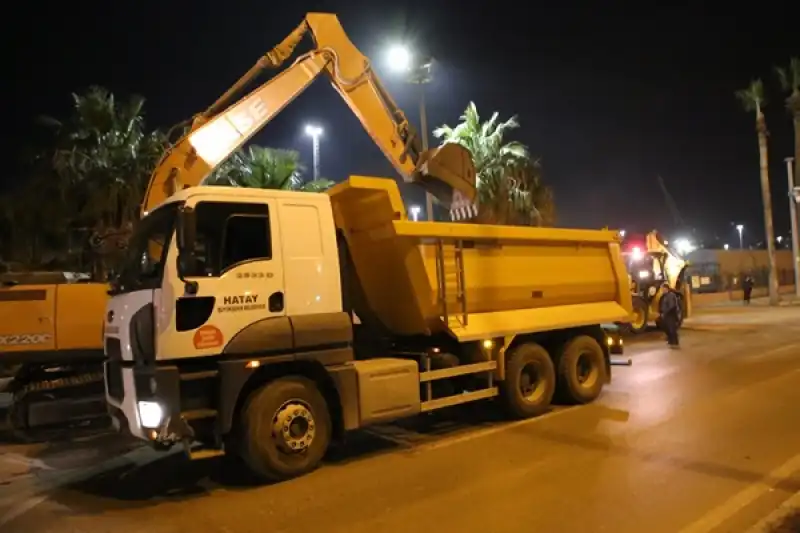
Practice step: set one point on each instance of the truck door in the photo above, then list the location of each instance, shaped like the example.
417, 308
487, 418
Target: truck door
27, 321
239, 274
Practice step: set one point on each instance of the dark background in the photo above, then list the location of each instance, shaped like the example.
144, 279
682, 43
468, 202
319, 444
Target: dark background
609, 97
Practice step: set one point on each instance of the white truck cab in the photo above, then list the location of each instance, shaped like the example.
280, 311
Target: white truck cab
259, 254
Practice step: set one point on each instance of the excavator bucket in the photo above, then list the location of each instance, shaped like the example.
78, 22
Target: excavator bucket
448, 173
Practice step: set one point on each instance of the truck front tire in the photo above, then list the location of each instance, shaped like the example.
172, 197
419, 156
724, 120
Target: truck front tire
581, 370
286, 429
530, 381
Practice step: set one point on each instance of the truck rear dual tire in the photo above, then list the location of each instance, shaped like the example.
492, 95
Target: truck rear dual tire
530, 381
286, 429
581, 369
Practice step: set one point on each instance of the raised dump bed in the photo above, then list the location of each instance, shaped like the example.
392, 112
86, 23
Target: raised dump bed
420, 277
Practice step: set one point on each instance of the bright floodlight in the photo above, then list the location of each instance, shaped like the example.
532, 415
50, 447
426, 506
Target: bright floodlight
684, 246
725, 246
313, 131
739, 228
622, 233
399, 58
415, 210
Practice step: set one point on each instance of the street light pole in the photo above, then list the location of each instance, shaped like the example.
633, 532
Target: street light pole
419, 73
739, 228
793, 216
315, 132
421, 76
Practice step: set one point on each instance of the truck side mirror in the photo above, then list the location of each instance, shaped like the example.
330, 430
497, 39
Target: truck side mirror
186, 236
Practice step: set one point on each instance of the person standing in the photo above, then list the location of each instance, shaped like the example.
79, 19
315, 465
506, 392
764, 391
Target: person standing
747, 289
670, 311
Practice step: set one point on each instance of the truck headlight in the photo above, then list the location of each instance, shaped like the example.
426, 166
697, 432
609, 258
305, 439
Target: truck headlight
150, 414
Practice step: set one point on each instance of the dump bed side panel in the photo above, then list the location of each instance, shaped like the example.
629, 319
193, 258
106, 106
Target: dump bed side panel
412, 277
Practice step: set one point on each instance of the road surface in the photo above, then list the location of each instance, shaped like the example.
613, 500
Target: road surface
706, 439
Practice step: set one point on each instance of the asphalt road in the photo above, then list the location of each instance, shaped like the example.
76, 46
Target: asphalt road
706, 439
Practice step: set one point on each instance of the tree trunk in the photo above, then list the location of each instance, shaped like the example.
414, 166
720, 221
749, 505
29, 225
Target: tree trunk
761, 128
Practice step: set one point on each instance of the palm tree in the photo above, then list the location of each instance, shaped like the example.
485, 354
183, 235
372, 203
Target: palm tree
753, 100
266, 168
102, 160
789, 78
508, 181
104, 156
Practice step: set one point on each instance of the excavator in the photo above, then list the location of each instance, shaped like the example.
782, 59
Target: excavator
447, 172
51, 350
651, 263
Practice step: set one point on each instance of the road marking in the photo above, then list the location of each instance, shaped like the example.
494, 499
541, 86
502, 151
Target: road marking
739, 501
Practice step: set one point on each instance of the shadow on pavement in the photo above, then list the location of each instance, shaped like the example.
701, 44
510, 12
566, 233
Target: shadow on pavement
172, 477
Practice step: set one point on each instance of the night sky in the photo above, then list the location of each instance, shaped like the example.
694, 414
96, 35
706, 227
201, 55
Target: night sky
608, 98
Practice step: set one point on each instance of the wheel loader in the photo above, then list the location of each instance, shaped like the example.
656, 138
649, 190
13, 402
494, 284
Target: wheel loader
650, 263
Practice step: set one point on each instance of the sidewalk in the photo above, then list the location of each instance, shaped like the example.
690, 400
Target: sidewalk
762, 301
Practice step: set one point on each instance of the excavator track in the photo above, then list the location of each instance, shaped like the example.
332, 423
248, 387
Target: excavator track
44, 408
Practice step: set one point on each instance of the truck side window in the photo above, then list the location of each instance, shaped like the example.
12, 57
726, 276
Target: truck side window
229, 233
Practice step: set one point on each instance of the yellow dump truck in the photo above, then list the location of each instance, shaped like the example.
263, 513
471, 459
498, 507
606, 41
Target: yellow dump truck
274, 321
51, 348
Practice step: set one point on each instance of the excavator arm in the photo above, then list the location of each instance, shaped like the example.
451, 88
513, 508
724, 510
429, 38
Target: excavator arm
446, 172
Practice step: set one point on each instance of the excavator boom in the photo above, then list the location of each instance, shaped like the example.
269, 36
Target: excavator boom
447, 172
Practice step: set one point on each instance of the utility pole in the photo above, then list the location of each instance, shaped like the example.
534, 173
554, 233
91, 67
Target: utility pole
793, 216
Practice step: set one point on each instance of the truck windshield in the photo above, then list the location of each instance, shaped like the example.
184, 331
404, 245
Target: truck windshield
143, 263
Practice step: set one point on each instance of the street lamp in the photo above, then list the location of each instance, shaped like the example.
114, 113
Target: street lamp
415, 209
740, 228
315, 132
725, 246
622, 233
417, 72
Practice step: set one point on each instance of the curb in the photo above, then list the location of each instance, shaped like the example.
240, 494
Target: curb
773, 520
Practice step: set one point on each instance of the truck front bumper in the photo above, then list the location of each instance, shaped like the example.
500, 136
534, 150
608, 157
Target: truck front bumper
144, 402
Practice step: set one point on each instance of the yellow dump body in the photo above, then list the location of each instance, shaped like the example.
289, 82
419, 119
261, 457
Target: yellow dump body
477, 281
42, 316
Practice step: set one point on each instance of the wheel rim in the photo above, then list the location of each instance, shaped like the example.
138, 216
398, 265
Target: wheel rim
293, 427
531, 383
586, 370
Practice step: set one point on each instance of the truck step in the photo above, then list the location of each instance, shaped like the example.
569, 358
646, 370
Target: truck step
198, 414
206, 374
456, 399
197, 454
461, 370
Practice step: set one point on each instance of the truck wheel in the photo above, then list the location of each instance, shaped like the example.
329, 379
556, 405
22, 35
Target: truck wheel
640, 317
286, 429
581, 370
530, 381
